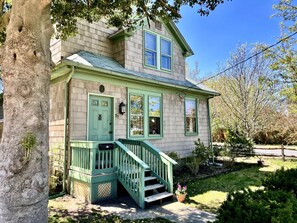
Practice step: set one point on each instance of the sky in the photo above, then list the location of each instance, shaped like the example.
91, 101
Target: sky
213, 38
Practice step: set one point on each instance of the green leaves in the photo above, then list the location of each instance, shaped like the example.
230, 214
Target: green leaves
119, 13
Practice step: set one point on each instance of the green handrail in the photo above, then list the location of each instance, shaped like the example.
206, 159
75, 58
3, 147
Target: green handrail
87, 158
131, 172
160, 164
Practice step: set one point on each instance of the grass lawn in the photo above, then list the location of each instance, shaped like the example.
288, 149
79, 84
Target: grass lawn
209, 193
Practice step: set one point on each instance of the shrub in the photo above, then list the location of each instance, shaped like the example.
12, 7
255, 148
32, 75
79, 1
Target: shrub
177, 169
258, 207
237, 145
285, 180
173, 155
200, 155
217, 150
56, 183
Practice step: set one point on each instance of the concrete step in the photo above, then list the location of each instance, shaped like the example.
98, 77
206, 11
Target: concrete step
157, 197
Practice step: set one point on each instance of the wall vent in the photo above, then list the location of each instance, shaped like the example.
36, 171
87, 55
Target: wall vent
158, 25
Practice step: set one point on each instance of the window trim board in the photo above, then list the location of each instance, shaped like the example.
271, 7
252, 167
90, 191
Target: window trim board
197, 116
146, 134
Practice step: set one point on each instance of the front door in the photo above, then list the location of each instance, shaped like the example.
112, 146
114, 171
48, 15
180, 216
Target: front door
100, 118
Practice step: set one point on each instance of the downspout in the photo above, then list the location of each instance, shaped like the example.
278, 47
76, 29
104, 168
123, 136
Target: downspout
210, 132
66, 108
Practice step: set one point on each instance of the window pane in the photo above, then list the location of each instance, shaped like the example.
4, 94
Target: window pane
136, 115
191, 116
154, 115
154, 126
154, 106
150, 58
191, 124
136, 125
136, 105
150, 42
166, 62
190, 108
166, 47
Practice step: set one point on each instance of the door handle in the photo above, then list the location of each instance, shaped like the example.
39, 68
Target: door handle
99, 117
110, 132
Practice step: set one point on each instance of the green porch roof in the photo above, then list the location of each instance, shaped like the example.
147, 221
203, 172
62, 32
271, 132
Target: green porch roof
102, 62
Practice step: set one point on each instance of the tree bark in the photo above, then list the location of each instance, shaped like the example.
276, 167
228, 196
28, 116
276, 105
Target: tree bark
25, 61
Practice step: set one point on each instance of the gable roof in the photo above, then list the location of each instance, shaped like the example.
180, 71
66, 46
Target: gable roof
187, 51
92, 61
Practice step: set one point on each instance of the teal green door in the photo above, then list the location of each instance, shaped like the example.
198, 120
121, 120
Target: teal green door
100, 118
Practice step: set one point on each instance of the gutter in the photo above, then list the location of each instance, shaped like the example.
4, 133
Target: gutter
210, 132
66, 108
120, 75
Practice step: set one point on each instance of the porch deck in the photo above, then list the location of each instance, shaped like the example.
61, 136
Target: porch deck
96, 167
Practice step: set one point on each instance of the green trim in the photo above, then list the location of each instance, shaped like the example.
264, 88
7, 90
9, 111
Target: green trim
171, 54
180, 38
150, 50
120, 33
172, 29
66, 126
185, 117
92, 179
112, 112
98, 74
159, 37
210, 131
145, 95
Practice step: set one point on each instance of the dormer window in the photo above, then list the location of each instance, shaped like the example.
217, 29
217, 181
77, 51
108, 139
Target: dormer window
165, 54
150, 50
157, 52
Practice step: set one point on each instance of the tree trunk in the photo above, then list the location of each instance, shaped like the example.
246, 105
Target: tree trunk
25, 61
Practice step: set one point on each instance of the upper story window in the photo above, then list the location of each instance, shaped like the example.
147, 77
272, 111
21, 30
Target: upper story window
191, 123
150, 49
158, 52
165, 54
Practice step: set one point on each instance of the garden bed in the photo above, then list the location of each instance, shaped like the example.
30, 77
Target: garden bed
209, 188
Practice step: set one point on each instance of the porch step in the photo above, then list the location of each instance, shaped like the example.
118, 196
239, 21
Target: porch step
153, 187
150, 178
145, 179
157, 197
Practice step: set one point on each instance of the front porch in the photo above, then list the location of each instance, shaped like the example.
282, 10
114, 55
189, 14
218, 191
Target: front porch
143, 170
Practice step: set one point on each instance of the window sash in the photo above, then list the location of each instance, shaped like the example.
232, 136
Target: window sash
166, 54
150, 41
150, 49
157, 51
145, 114
166, 62
136, 115
165, 47
154, 115
151, 58
191, 125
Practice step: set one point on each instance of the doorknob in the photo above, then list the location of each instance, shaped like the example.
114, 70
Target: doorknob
110, 132
99, 117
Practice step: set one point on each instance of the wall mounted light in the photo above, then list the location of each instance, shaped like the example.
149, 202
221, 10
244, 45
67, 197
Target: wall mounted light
122, 108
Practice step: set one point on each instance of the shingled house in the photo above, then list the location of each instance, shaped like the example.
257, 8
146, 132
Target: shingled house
120, 101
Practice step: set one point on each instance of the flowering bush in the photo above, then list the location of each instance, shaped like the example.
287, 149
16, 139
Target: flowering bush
181, 190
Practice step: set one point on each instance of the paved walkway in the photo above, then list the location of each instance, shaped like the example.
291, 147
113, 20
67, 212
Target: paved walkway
174, 211
276, 152
126, 208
